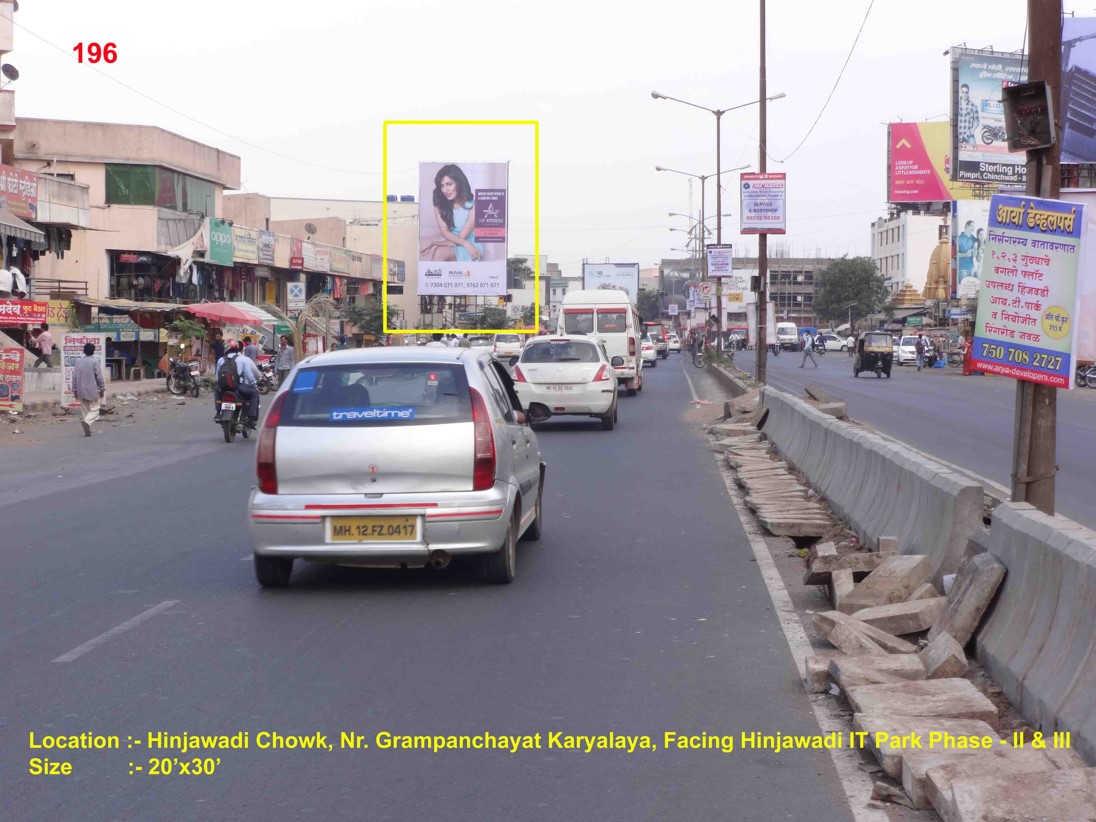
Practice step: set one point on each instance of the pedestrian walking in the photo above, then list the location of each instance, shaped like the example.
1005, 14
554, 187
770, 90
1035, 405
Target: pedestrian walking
89, 386
851, 344
251, 351
808, 350
45, 347
284, 359
919, 347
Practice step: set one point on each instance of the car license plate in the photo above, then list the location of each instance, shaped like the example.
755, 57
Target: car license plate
559, 388
373, 529
228, 406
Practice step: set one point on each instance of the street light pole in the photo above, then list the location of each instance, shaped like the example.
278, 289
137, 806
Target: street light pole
762, 238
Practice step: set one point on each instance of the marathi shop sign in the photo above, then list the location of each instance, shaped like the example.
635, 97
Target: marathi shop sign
19, 192
1028, 305
245, 245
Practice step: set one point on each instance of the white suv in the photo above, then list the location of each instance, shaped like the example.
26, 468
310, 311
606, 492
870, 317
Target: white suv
506, 346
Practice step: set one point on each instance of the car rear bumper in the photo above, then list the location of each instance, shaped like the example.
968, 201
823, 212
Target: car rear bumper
583, 400
297, 526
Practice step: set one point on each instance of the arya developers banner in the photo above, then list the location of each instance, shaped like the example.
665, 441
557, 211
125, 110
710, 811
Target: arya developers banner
462, 228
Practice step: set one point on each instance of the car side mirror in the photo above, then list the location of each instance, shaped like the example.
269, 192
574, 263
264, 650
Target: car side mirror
520, 418
513, 361
616, 362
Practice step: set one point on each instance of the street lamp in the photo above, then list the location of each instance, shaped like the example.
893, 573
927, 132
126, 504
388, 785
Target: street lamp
850, 306
718, 115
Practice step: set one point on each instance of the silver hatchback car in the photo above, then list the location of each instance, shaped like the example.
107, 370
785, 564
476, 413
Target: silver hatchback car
395, 457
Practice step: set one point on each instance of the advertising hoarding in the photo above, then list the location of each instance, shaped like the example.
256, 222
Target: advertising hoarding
220, 242
11, 379
19, 192
919, 164
1026, 325
762, 200
970, 221
23, 312
1078, 90
72, 349
979, 145
245, 245
1086, 278
733, 284
612, 276
462, 228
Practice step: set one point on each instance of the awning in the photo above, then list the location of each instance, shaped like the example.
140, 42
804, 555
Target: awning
126, 306
14, 227
261, 316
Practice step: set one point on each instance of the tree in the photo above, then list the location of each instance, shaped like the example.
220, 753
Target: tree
528, 316
368, 316
492, 318
517, 272
649, 304
849, 280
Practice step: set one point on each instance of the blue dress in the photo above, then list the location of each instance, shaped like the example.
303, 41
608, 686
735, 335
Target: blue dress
460, 217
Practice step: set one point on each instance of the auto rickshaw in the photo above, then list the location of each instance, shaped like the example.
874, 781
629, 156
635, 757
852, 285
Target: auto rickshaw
874, 352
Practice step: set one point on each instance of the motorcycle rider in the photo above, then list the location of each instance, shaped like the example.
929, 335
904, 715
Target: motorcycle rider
248, 377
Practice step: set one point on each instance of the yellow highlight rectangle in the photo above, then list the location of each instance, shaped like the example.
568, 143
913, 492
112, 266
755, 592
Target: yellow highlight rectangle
536, 225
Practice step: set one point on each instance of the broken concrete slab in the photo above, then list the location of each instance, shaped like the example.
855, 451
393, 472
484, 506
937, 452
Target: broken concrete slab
975, 586
747, 402
882, 792
838, 410
860, 564
890, 737
926, 590
818, 674
1062, 796
846, 638
733, 429
821, 549
938, 698
842, 583
893, 581
826, 622
1000, 762
900, 618
943, 657
785, 527
851, 671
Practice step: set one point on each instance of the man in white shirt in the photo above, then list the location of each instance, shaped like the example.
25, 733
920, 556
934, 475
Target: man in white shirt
436, 342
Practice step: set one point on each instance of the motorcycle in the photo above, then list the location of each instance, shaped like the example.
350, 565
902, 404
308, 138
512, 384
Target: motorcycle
993, 134
183, 377
268, 380
233, 421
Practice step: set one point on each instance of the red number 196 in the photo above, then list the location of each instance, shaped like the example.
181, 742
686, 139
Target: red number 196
107, 52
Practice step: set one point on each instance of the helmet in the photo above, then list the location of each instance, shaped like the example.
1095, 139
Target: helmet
233, 345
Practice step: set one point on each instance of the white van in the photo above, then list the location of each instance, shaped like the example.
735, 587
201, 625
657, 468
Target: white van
787, 336
610, 316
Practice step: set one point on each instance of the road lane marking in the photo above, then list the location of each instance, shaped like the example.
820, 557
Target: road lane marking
856, 784
91, 644
692, 390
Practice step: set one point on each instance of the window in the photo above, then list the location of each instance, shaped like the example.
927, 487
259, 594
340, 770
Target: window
560, 351
152, 185
612, 321
502, 400
578, 322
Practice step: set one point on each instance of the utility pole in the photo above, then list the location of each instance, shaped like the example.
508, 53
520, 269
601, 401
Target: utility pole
1034, 437
762, 238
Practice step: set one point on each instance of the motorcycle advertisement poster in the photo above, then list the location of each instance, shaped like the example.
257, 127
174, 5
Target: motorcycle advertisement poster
978, 117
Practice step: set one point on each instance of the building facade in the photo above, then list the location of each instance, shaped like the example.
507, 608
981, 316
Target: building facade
901, 247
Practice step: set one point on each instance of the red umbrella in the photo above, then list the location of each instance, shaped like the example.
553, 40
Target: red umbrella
221, 312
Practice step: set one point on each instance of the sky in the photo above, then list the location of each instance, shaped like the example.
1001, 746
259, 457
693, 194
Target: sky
300, 91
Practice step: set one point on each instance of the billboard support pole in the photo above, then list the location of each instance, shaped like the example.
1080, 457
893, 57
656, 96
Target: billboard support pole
1035, 428
763, 238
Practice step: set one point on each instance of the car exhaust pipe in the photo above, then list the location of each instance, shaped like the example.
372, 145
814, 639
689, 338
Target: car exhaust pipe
439, 559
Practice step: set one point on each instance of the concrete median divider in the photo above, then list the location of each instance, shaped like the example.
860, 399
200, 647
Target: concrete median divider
880, 487
1039, 640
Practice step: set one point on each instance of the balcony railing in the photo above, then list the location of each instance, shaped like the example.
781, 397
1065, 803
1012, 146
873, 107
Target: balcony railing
45, 289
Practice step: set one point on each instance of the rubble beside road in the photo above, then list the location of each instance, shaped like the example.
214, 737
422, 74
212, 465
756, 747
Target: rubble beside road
898, 666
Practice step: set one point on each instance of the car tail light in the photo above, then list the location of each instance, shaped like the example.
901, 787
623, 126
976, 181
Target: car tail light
631, 346
518, 376
483, 466
602, 374
268, 475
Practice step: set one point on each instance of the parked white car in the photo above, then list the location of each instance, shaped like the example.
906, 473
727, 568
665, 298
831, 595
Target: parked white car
675, 342
568, 374
647, 351
832, 342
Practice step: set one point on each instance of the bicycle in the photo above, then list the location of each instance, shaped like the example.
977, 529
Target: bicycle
700, 354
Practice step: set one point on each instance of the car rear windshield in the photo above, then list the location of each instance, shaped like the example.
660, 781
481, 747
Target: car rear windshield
508, 338
560, 351
909, 341
378, 394
611, 321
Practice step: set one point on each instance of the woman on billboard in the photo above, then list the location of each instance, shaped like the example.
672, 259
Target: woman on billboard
455, 213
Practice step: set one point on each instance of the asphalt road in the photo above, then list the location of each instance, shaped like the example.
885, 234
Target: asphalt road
130, 607
967, 421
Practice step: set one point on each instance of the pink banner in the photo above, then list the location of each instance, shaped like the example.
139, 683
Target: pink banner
11, 379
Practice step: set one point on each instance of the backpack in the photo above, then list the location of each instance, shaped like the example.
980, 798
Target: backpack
228, 377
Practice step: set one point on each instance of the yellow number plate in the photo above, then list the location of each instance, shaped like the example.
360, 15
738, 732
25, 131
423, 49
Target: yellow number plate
373, 529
